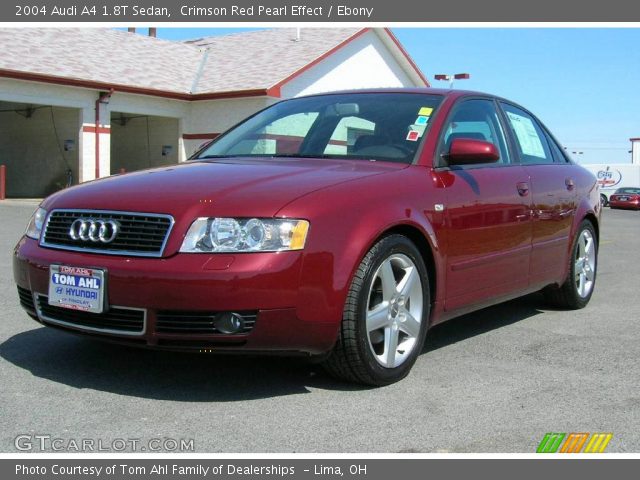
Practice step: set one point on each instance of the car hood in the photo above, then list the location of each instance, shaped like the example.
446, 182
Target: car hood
241, 187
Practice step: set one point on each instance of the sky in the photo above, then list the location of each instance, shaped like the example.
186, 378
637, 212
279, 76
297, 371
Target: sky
582, 83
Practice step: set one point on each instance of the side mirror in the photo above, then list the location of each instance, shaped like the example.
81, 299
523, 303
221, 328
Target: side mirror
468, 151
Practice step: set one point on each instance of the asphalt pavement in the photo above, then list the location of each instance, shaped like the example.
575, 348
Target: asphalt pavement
492, 381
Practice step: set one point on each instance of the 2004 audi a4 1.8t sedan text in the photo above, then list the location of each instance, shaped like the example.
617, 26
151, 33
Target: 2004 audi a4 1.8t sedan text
340, 226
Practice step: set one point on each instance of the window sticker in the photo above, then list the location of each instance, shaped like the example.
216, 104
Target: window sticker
413, 135
422, 120
415, 132
527, 136
418, 128
426, 111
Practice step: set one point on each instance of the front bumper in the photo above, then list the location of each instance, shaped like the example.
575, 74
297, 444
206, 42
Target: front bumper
265, 284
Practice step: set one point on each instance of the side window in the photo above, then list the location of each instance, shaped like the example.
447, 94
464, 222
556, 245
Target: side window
558, 154
529, 137
284, 136
349, 135
477, 120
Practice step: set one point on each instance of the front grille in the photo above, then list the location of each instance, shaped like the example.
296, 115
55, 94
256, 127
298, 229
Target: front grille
140, 234
26, 299
119, 320
197, 323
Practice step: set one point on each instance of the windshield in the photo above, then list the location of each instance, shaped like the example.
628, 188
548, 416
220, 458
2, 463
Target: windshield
380, 126
628, 190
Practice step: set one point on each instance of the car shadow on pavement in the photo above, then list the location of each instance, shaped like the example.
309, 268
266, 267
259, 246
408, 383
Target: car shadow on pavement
483, 321
89, 364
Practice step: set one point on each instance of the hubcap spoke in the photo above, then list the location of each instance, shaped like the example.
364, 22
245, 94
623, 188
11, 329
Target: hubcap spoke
390, 346
410, 325
408, 281
583, 243
378, 317
588, 246
588, 272
582, 284
388, 281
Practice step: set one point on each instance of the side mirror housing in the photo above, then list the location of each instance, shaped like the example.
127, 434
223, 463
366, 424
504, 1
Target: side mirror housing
468, 151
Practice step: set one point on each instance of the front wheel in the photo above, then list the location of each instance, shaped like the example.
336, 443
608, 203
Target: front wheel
576, 291
385, 316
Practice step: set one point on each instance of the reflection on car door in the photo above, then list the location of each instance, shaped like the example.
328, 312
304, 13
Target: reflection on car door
487, 212
553, 193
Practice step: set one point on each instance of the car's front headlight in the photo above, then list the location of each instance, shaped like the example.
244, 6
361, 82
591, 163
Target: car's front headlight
36, 222
245, 235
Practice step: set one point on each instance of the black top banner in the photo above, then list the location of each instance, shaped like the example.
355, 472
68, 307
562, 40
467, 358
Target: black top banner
156, 11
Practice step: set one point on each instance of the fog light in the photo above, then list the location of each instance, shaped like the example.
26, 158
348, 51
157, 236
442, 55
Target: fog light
228, 322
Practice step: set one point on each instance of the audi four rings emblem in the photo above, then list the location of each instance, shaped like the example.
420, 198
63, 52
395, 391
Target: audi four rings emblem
91, 229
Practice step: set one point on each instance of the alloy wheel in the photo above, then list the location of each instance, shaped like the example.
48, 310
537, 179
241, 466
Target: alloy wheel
394, 310
585, 264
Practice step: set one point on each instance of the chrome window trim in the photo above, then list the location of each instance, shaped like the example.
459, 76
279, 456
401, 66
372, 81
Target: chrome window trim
43, 318
130, 253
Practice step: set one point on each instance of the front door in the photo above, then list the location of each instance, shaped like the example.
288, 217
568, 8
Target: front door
488, 213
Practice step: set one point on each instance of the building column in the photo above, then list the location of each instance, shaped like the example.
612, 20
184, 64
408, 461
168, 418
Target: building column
635, 151
182, 152
87, 147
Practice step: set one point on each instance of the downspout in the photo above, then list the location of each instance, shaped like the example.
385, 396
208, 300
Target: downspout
102, 98
196, 79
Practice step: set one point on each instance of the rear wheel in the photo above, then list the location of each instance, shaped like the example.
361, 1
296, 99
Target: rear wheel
576, 291
385, 315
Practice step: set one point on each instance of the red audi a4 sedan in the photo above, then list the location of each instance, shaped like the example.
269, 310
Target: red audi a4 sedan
626, 198
339, 226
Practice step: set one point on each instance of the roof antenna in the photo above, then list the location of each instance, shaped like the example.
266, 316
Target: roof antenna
297, 34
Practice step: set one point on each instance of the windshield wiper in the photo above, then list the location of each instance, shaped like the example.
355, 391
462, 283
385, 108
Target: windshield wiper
289, 155
319, 156
219, 156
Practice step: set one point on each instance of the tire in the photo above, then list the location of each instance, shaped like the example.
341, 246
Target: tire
603, 200
378, 312
576, 291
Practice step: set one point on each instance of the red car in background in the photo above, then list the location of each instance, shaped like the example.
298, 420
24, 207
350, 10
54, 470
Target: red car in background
626, 198
339, 226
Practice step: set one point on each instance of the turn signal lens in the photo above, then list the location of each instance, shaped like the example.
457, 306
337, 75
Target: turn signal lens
299, 235
36, 222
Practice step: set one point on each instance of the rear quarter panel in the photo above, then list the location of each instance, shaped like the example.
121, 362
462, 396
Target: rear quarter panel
587, 204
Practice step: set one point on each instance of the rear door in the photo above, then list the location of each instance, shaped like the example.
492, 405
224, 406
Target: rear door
553, 194
487, 212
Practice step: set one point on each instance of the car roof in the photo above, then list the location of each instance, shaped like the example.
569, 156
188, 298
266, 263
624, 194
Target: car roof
445, 92
448, 92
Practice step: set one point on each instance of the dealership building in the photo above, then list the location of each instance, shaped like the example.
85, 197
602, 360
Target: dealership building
77, 104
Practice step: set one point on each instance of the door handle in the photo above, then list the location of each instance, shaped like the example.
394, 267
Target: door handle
569, 183
523, 188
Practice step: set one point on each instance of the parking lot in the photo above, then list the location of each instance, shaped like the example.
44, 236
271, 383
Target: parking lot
493, 381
